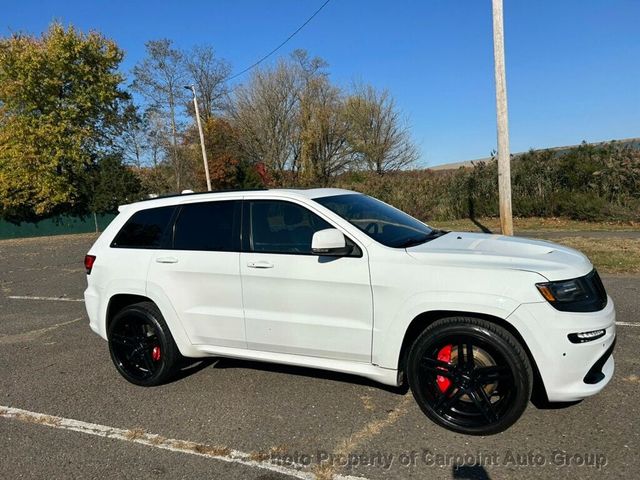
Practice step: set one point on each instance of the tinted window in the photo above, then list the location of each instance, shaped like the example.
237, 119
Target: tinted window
283, 227
207, 226
144, 229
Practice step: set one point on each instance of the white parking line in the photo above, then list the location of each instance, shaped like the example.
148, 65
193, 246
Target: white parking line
157, 441
33, 334
56, 299
628, 324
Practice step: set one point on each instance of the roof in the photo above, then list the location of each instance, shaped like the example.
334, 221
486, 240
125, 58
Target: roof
310, 193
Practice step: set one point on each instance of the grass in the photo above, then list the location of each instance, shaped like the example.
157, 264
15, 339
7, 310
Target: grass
609, 255
538, 224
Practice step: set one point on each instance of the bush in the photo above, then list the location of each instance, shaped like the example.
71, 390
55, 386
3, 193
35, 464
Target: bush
588, 182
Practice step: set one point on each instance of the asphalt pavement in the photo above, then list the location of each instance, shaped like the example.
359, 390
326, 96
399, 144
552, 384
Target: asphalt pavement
66, 413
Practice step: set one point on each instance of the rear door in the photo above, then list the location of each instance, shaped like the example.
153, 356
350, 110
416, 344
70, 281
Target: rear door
199, 272
296, 302
127, 259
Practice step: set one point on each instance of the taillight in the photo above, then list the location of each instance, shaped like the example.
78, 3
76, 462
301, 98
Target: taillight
88, 263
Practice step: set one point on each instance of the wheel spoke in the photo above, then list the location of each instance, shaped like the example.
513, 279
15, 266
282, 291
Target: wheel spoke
145, 356
121, 340
469, 357
482, 402
437, 367
148, 361
143, 330
460, 349
486, 375
446, 401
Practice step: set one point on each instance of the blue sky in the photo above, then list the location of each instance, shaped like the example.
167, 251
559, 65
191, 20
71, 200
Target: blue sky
573, 68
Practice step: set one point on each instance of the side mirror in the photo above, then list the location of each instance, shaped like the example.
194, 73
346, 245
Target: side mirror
330, 242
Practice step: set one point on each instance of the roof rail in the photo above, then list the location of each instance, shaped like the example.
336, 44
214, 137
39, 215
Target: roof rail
187, 193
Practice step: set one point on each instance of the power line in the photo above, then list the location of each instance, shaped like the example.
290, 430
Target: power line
281, 45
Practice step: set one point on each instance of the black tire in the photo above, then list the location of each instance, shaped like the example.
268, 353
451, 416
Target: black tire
141, 345
479, 394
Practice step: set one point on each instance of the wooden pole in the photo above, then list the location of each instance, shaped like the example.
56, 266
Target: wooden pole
204, 150
504, 160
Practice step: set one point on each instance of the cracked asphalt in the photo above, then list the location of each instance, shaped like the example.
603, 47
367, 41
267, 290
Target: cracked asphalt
51, 363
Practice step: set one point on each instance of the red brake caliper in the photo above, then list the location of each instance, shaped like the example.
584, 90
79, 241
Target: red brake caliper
155, 353
444, 355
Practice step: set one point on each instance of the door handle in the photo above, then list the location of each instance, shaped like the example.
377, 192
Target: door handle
261, 264
166, 260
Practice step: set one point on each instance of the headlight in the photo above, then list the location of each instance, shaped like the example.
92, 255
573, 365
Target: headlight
584, 294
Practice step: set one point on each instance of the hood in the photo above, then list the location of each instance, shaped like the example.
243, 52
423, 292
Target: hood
553, 261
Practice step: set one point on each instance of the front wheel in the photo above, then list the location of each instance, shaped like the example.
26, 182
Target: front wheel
469, 375
141, 345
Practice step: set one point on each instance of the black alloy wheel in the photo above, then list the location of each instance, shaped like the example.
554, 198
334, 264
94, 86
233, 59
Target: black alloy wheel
141, 345
469, 375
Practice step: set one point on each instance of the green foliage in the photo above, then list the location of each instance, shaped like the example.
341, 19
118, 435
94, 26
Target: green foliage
60, 111
111, 184
588, 182
248, 176
228, 169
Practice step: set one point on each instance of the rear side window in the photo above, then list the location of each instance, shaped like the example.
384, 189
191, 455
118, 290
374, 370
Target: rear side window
210, 226
145, 229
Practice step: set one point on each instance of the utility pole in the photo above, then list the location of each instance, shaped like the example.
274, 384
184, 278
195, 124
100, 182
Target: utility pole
504, 158
204, 151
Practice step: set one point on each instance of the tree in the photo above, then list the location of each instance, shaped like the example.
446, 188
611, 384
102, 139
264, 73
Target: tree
112, 184
266, 113
61, 109
160, 79
209, 75
323, 132
378, 134
291, 117
134, 141
223, 153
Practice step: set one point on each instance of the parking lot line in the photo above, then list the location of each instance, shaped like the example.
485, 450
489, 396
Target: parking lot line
56, 299
224, 454
33, 334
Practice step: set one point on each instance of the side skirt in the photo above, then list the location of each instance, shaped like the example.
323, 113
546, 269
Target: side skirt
385, 376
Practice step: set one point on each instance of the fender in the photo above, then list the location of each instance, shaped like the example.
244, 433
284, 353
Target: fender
156, 294
388, 336
120, 286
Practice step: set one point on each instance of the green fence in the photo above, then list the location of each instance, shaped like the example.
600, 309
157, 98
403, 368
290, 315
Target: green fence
59, 225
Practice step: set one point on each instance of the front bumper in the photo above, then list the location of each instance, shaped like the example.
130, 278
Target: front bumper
569, 371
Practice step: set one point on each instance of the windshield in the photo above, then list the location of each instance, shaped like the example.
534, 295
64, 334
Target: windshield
380, 221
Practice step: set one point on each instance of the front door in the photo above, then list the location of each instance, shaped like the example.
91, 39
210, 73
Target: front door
296, 302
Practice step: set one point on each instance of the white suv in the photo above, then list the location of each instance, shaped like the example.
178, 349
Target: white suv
337, 280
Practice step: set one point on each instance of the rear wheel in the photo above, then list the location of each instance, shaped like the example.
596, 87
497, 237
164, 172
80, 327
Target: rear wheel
469, 375
141, 345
